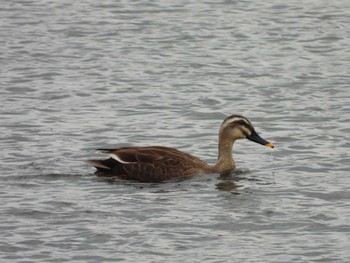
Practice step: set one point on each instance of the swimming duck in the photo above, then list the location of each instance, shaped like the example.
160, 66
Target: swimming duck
158, 163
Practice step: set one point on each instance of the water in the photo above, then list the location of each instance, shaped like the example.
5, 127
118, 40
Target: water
76, 76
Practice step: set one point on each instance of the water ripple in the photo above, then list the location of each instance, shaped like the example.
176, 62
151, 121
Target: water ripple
84, 75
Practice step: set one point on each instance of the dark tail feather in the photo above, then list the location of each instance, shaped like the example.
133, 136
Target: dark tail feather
108, 167
106, 164
98, 164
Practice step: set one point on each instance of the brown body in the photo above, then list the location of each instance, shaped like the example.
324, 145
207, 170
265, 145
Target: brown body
158, 163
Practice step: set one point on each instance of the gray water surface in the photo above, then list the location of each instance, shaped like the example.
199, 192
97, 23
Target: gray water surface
80, 75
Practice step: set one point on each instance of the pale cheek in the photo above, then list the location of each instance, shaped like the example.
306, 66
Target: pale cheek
237, 135
243, 136
247, 131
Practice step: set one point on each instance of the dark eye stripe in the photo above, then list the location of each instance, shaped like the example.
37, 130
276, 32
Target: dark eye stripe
243, 123
240, 123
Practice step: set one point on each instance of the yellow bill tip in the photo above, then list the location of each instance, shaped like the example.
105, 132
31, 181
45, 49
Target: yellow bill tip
270, 145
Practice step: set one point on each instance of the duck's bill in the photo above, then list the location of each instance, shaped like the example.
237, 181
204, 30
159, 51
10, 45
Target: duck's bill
254, 137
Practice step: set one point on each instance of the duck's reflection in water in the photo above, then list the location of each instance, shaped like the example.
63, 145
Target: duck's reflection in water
229, 182
228, 186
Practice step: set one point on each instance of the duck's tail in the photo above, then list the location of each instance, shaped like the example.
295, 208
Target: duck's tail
98, 164
107, 167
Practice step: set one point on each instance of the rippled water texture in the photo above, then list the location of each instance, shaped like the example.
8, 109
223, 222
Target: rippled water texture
80, 75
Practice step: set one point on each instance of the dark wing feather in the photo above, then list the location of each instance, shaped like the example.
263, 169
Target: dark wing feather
159, 170
136, 155
155, 163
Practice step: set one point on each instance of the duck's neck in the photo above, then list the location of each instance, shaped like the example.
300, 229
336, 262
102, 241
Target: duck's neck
225, 161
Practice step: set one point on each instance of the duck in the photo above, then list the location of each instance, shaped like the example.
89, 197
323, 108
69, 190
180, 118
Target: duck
160, 163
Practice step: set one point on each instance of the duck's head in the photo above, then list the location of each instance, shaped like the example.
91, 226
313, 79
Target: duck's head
238, 127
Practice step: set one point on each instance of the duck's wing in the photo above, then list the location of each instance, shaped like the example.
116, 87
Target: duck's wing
149, 164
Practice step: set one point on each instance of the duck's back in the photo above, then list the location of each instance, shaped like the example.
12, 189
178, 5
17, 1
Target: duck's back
149, 164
